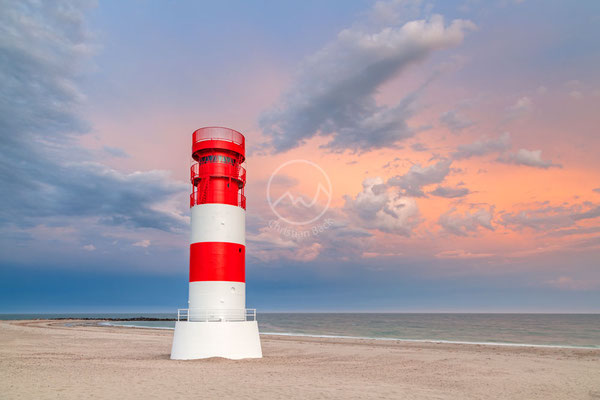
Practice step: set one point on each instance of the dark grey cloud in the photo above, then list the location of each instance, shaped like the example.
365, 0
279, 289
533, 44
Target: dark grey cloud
332, 94
482, 147
45, 174
412, 183
530, 158
455, 121
450, 192
597, 190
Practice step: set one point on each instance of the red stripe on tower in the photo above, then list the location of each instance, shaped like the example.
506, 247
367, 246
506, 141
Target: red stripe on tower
217, 261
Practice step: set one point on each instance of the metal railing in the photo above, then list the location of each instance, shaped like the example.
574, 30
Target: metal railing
196, 198
201, 170
218, 133
241, 200
215, 315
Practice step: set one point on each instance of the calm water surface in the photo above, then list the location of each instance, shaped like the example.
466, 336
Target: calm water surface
580, 330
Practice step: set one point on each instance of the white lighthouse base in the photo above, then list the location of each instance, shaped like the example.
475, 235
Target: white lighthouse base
233, 339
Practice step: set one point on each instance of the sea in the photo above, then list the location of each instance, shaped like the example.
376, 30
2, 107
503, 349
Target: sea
540, 330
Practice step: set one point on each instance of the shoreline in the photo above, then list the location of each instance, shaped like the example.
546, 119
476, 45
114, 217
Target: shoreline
344, 337
50, 359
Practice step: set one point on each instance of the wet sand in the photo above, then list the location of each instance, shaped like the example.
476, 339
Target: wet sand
48, 360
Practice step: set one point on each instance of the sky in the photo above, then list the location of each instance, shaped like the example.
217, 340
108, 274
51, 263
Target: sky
402, 156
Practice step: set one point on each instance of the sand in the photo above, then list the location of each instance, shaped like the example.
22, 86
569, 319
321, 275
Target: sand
48, 360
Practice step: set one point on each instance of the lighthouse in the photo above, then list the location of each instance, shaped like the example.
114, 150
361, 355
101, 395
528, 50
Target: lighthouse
216, 322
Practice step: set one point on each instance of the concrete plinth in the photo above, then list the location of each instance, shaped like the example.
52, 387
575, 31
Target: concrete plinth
234, 340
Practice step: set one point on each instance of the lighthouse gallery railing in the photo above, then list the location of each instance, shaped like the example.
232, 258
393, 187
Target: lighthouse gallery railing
215, 315
218, 133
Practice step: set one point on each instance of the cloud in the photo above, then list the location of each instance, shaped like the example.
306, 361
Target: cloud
450, 192
530, 158
392, 163
574, 231
521, 108
331, 237
395, 11
455, 121
412, 183
270, 244
592, 213
462, 254
378, 208
597, 190
568, 283
332, 94
455, 223
44, 172
419, 147
550, 218
142, 243
89, 247
116, 152
576, 94
540, 219
482, 147
574, 88
573, 84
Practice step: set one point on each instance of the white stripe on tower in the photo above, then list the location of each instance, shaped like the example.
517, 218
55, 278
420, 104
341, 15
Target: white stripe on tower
218, 223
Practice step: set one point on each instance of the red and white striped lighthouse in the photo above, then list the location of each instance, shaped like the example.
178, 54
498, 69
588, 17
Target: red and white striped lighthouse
217, 323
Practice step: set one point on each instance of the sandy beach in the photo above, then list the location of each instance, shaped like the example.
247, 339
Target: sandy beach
48, 360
